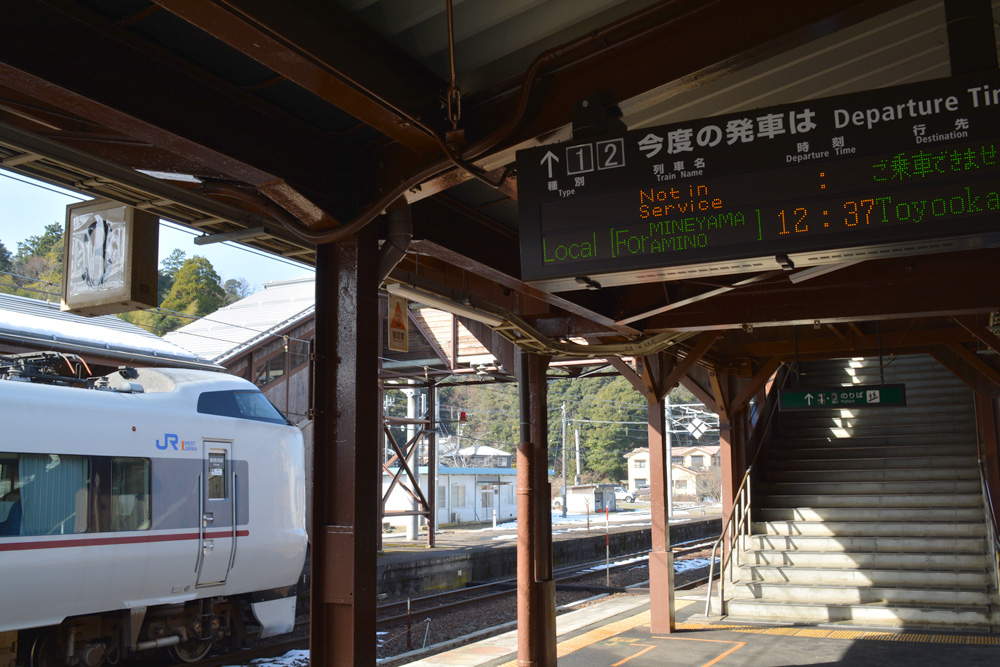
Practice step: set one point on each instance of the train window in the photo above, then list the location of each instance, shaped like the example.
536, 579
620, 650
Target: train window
43, 494
240, 404
216, 475
130, 494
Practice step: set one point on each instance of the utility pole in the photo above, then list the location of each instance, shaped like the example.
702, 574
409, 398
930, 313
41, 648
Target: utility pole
564, 459
670, 465
577, 478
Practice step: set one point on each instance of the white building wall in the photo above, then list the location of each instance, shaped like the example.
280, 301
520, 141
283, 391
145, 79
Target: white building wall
460, 497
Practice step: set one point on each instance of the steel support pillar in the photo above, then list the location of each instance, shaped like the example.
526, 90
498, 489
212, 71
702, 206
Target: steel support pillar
432, 465
345, 501
661, 558
536, 589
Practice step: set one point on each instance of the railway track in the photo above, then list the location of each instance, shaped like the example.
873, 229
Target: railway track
488, 602
448, 601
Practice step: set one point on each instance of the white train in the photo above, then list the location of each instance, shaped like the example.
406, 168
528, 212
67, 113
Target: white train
148, 510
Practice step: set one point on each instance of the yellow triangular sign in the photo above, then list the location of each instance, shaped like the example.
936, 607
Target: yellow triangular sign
397, 318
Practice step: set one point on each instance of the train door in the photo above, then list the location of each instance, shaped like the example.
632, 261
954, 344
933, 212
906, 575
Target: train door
217, 532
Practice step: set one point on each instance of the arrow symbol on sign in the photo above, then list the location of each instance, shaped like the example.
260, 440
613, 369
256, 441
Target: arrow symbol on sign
809, 399
548, 159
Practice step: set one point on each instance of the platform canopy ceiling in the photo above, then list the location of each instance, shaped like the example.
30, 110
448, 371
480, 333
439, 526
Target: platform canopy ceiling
299, 118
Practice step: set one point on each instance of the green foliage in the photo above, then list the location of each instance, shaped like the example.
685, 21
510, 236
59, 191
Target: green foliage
171, 264
43, 244
493, 420
37, 265
196, 291
236, 289
6, 259
609, 414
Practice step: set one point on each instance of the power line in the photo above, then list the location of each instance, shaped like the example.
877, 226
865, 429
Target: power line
166, 223
43, 187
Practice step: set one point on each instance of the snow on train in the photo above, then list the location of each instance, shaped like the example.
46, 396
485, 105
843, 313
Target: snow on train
150, 509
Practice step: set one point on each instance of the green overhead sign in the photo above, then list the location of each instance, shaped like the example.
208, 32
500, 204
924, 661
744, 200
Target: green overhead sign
857, 396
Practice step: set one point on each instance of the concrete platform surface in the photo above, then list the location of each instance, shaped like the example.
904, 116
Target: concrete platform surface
616, 632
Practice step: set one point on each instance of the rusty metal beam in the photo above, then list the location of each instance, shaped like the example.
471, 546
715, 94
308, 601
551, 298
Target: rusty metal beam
499, 281
957, 360
929, 285
346, 63
604, 63
909, 339
345, 490
704, 344
107, 75
980, 331
661, 559
536, 603
750, 390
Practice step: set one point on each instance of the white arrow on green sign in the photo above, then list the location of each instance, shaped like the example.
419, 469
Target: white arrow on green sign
855, 396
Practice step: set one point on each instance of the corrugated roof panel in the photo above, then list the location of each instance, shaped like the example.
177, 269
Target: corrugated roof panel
228, 330
33, 321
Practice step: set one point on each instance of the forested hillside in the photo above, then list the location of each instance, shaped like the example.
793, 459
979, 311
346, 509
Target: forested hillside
186, 286
609, 415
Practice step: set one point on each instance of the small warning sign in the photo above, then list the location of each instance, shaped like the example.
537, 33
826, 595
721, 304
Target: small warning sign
399, 324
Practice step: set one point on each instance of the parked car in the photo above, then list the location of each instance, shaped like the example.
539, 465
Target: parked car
623, 495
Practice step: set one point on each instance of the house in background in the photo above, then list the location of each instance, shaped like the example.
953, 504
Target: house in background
475, 456
696, 471
464, 495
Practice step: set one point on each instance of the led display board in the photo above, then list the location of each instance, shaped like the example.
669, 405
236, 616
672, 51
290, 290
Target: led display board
905, 170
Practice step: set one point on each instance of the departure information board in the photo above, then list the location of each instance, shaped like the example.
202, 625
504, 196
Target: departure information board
903, 170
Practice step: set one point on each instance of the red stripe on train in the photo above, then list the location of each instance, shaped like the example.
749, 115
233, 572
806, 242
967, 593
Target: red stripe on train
104, 541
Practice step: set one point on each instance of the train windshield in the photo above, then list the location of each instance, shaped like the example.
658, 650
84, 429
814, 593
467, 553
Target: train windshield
240, 404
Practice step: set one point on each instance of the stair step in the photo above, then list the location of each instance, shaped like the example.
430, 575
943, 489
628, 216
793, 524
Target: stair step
861, 577
969, 514
867, 544
866, 500
881, 430
884, 418
913, 529
849, 449
872, 463
934, 486
886, 595
919, 560
880, 475
975, 618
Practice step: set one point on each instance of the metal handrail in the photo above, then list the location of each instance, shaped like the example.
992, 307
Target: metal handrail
737, 522
992, 533
741, 508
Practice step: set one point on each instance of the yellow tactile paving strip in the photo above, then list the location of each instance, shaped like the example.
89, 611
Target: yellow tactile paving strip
866, 635
597, 635
608, 631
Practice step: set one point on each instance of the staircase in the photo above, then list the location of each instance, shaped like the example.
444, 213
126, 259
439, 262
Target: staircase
874, 516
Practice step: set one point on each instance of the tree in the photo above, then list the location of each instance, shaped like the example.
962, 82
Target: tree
41, 245
6, 259
171, 264
620, 425
196, 291
38, 263
236, 289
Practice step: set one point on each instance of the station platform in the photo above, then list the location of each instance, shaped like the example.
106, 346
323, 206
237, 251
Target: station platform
617, 632
465, 556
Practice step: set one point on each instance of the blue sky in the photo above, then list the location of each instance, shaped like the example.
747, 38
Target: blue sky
27, 206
